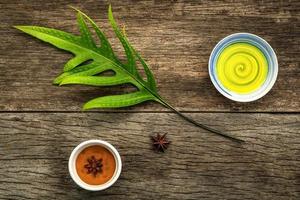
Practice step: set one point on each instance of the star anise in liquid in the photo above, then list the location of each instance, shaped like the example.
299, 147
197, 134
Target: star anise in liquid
94, 166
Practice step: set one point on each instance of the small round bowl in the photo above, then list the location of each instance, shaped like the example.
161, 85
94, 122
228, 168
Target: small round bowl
265, 48
73, 171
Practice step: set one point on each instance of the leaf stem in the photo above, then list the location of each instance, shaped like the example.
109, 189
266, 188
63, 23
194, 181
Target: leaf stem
197, 123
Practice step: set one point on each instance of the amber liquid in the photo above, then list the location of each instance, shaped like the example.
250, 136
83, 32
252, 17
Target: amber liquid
108, 168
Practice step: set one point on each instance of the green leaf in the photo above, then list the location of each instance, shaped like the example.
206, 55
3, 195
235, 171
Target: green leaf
86, 36
84, 48
131, 64
150, 78
117, 101
101, 58
95, 81
131, 54
105, 47
84, 70
60, 39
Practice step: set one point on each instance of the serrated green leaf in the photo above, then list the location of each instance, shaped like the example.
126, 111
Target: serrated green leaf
60, 39
117, 101
105, 47
95, 80
132, 54
85, 70
84, 48
150, 78
77, 60
86, 36
131, 64
103, 58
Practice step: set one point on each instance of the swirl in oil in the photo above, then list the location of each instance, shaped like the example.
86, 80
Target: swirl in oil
242, 68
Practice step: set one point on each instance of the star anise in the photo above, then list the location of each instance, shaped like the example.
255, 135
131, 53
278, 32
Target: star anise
160, 143
94, 165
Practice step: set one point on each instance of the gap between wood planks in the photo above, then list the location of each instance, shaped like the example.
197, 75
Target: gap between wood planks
148, 111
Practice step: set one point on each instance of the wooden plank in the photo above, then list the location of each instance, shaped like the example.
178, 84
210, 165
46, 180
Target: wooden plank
35, 148
175, 37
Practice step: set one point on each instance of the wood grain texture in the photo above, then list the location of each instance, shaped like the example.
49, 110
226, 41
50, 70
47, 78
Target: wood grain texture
35, 148
40, 124
175, 37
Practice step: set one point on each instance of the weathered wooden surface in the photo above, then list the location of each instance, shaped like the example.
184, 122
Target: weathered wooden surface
198, 165
175, 37
40, 124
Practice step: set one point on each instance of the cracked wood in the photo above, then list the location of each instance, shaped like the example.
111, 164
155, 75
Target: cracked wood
198, 165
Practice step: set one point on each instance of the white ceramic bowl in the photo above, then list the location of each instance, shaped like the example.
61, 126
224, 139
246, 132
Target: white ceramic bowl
73, 171
260, 44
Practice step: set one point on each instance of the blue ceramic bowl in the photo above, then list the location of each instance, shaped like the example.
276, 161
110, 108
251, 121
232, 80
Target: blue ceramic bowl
265, 48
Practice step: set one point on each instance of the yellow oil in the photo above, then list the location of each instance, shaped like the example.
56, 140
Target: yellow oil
242, 68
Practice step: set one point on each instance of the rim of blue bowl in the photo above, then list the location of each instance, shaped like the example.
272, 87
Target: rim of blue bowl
268, 52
